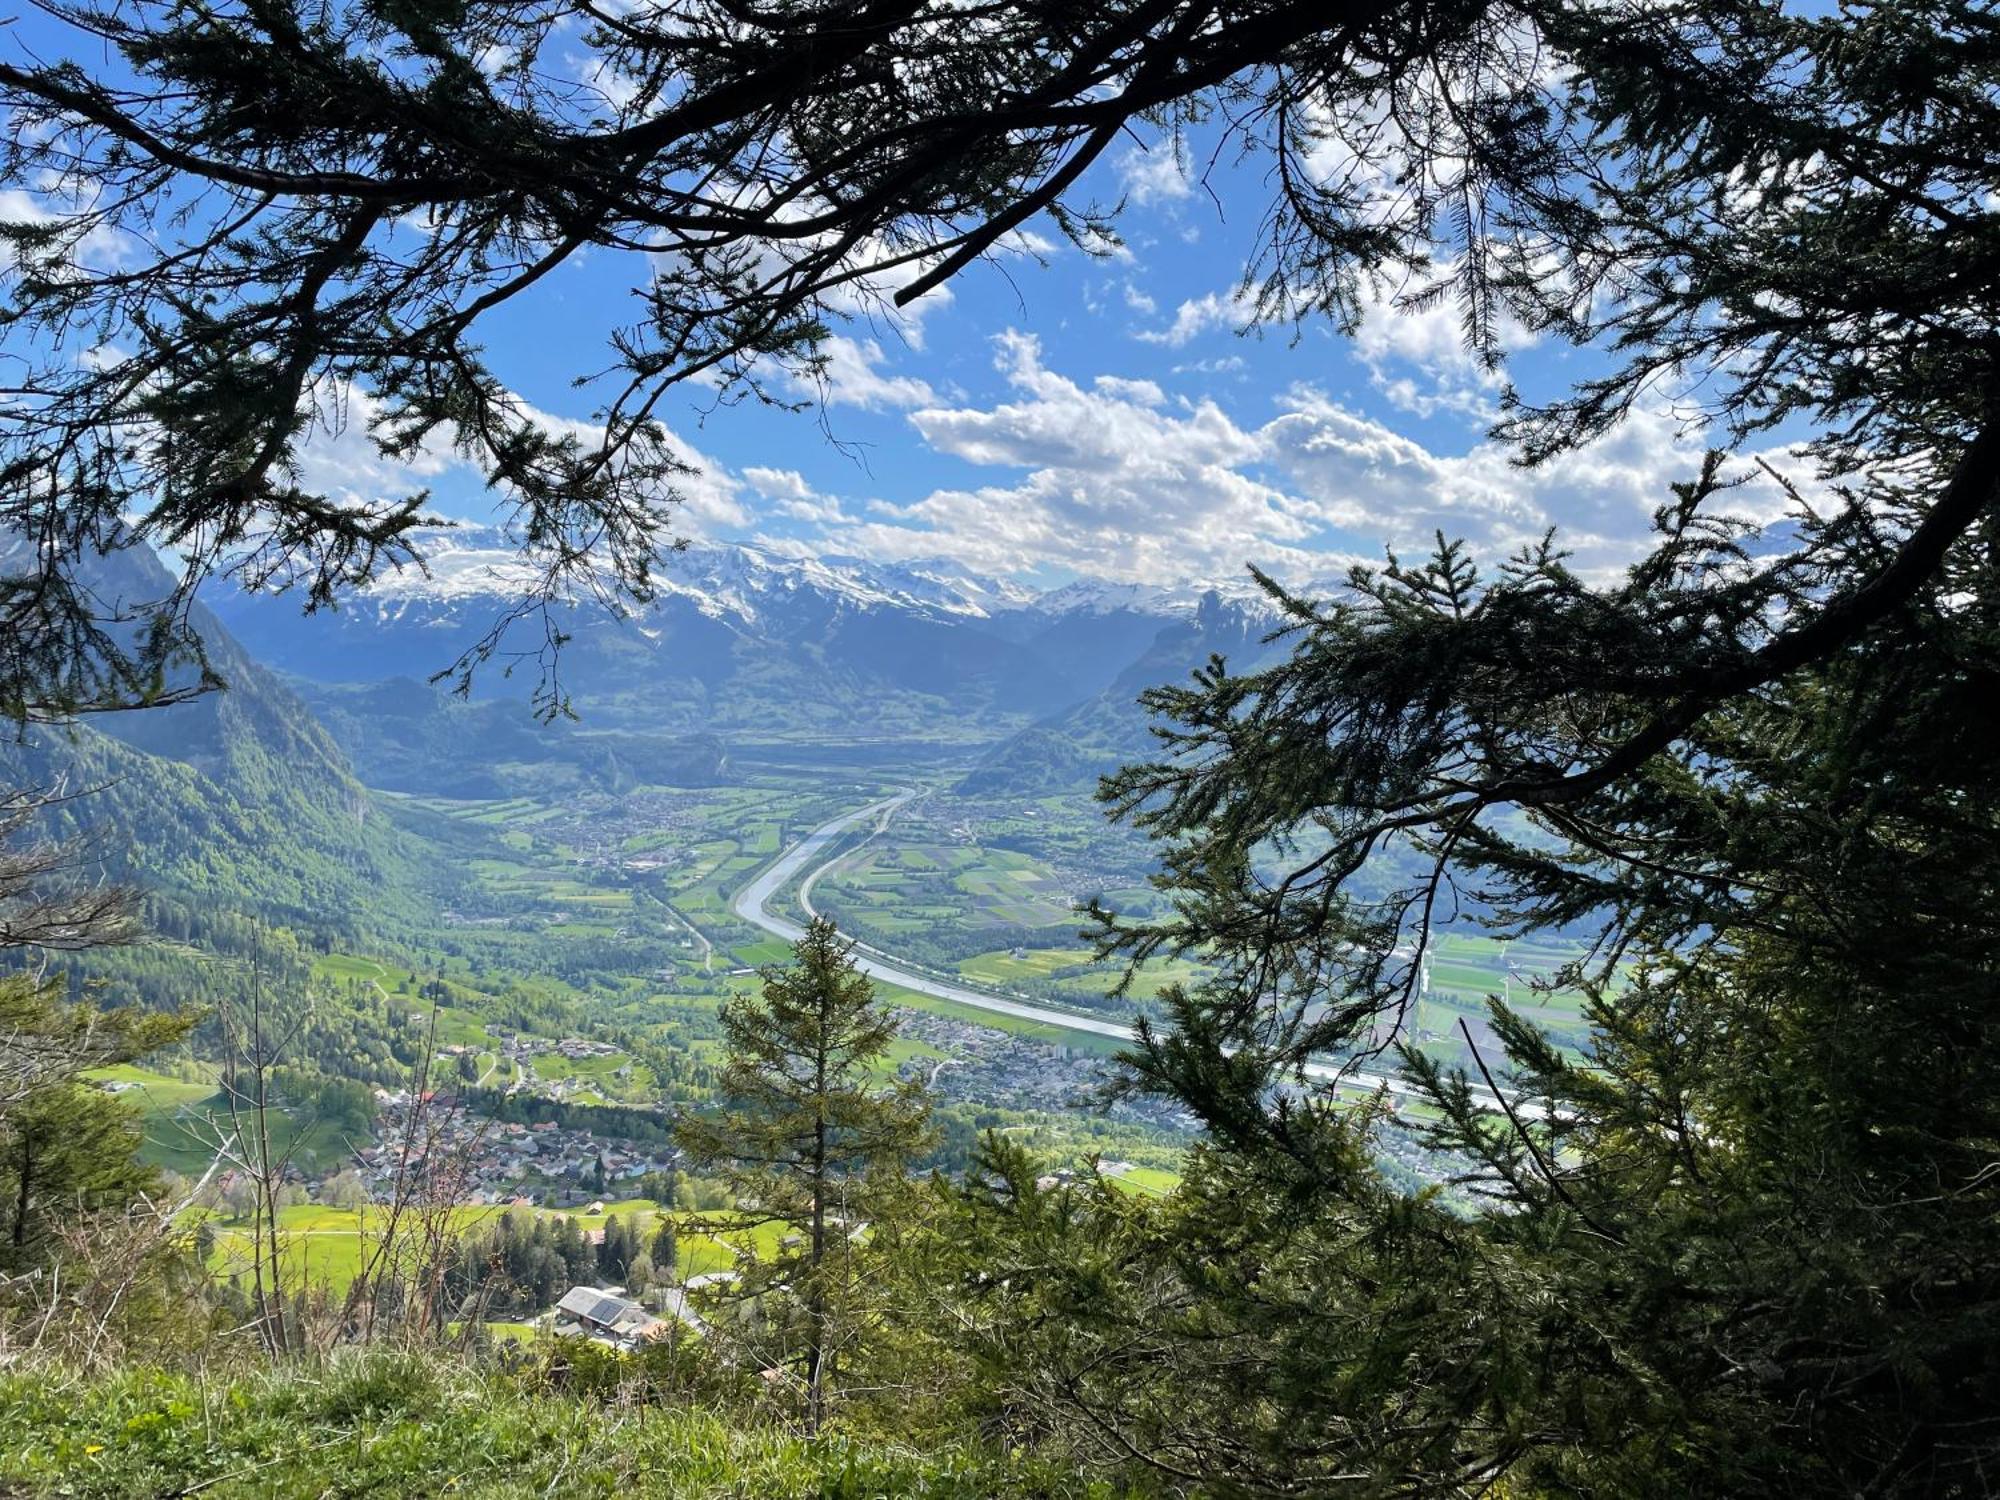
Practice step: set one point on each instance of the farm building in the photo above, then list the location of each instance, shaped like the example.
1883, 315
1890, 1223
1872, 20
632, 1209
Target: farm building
606, 1317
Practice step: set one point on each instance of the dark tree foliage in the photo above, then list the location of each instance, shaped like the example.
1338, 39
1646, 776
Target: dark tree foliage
812, 1141
257, 219
609, 1121
1746, 1244
66, 1147
522, 1264
66, 1152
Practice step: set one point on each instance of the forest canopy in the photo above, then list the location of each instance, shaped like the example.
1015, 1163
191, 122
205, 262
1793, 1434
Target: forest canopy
247, 221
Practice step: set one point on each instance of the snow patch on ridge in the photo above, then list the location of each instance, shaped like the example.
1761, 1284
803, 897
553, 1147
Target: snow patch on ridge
737, 581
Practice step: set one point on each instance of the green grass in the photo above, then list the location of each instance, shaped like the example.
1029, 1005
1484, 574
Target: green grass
319, 1245
525, 1332
718, 1251
901, 1050
429, 1425
151, 1092
181, 1121
342, 966
1002, 968
1151, 1180
326, 1247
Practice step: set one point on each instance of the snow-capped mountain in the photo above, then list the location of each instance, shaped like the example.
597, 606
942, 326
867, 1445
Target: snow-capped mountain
1166, 601
742, 638
737, 580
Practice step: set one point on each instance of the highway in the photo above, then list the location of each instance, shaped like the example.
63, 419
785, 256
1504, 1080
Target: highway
753, 905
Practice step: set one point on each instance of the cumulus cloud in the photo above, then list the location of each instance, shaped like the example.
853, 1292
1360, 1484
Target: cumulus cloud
1119, 478
1203, 314
341, 460
778, 484
792, 496
853, 375
100, 248
1154, 175
1122, 480
1368, 481
1415, 351
1412, 345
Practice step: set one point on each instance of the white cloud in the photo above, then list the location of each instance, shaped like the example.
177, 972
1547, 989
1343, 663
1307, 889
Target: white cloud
1412, 346
853, 376
1372, 483
1232, 365
1203, 314
792, 496
778, 484
1155, 175
100, 248
1121, 479
1416, 353
341, 460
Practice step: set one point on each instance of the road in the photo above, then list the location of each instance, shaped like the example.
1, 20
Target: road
707, 948
753, 905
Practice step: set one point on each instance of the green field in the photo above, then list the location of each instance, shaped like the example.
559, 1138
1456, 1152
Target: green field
185, 1123
326, 1247
1149, 1180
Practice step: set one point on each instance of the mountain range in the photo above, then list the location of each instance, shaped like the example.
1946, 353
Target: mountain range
745, 653
747, 645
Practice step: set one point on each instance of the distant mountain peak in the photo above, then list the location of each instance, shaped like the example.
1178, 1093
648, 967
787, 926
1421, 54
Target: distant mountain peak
723, 580
759, 637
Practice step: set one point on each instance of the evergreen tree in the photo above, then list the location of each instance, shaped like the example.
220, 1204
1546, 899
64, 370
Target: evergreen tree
1743, 1247
664, 1251
66, 1148
804, 1134
66, 1152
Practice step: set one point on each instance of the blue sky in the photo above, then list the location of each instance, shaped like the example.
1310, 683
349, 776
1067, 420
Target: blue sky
1054, 415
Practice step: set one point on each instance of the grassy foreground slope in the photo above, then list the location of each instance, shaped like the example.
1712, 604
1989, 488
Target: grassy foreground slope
410, 1425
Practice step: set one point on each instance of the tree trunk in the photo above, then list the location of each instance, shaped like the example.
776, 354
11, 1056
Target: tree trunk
27, 1190
816, 1295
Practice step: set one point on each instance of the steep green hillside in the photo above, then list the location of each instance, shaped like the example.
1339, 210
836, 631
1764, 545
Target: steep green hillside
408, 736
238, 800
253, 811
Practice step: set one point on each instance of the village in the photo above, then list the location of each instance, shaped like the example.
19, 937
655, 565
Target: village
984, 1065
433, 1137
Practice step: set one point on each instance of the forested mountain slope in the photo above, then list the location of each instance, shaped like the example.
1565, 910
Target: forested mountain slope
238, 798
1070, 750
409, 736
